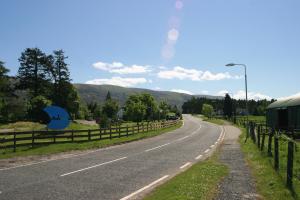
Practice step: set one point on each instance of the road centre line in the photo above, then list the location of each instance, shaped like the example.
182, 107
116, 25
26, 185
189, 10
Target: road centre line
98, 165
206, 151
157, 147
185, 165
144, 188
183, 138
212, 146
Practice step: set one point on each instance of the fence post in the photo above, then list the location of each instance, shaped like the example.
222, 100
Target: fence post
110, 136
100, 133
290, 163
32, 139
276, 153
15, 141
72, 135
54, 137
263, 138
258, 135
270, 142
119, 131
89, 134
138, 127
127, 130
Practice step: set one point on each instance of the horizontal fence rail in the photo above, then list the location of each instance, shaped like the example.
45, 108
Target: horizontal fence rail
12, 140
281, 146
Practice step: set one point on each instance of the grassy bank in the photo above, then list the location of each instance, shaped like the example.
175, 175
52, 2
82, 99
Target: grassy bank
211, 120
198, 182
269, 183
57, 148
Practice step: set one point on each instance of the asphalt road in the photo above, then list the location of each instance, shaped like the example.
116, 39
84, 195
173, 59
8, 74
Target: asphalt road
120, 172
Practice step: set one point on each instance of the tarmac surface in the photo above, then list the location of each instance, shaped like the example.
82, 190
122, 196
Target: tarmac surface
126, 171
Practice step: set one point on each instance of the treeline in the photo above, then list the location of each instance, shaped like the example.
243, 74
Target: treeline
44, 79
138, 107
226, 106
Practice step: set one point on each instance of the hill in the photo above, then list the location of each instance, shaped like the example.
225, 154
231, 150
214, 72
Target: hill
97, 93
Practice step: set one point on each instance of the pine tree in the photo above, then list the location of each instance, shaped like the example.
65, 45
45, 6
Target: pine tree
33, 73
108, 96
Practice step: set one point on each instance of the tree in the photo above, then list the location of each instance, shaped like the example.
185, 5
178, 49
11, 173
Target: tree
33, 73
135, 110
150, 105
207, 110
227, 106
110, 109
163, 110
37, 104
108, 96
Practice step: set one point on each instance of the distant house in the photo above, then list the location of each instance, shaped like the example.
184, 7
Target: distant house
120, 113
284, 114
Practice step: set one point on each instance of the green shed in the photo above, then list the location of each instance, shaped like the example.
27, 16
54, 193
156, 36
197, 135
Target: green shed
284, 114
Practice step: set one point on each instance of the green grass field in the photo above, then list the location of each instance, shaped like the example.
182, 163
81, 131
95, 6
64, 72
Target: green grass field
270, 184
253, 118
198, 182
57, 148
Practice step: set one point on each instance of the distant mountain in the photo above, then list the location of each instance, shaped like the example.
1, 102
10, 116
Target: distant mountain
97, 93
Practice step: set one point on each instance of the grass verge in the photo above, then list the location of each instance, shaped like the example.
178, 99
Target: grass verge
57, 148
269, 184
211, 120
198, 182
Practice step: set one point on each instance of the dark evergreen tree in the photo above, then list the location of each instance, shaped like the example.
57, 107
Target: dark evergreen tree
108, 96
227, 106
33, 73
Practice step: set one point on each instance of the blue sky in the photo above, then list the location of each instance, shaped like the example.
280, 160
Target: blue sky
179, 45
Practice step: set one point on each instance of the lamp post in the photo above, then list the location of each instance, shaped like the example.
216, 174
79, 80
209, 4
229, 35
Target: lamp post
246, 86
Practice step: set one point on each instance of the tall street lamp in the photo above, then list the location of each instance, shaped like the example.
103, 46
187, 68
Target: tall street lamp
245, 67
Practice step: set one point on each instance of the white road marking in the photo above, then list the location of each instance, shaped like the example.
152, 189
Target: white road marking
144, 188
185, 165
157, 147
216, 143
212, 146
198, 157
183, 138
206, 151
61, 158
87, 168
0, 192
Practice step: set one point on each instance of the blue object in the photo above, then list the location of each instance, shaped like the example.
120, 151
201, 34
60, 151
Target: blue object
59, 117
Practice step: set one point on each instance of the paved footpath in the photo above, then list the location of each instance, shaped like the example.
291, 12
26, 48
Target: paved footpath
238, 184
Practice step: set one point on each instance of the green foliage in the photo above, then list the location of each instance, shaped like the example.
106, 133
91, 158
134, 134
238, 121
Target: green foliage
33, 73
37, 104
110, 109
207, 110
135, 110
151, 106
108, 96
164, 108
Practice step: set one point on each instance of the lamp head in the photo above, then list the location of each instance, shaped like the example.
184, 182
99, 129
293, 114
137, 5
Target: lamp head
230, 65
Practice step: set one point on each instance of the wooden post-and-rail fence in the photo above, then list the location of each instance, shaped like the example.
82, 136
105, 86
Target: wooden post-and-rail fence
12, 140
258, 133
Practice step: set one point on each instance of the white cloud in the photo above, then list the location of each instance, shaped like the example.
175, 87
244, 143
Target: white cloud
241, 94
193, 74
120, 68
297, 95
182, 91
157, 88
119, 81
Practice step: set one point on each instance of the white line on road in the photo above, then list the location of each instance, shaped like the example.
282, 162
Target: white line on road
183, 138
185, 165
212, 146
80, 170
206, 151
198, 157
157, 147
144, 188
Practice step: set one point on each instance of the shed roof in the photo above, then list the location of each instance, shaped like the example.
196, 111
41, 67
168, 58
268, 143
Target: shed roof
295, 101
